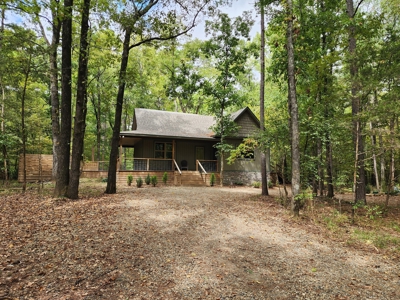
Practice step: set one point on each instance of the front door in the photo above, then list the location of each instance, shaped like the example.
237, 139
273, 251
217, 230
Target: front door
199, 153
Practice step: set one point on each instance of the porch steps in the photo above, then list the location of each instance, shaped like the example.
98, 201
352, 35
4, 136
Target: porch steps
195, 178
192, 178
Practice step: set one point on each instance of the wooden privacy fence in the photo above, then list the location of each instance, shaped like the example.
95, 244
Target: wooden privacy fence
38, 167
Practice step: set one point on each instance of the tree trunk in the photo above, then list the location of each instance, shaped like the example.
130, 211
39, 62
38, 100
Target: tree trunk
53, 68
329, 167
390, 183
264, 182
63, 152
374, 162
112, 168
382, 161
3, 102
221, 152
81, 106
284, 180
4, 148
320, 168
98, 126
23, 129
95, 99
293, 112
359, 178
55, 100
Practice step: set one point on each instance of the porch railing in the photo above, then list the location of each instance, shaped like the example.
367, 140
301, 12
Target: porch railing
207, 166
147, 164
177, 167
150, 164
201, 170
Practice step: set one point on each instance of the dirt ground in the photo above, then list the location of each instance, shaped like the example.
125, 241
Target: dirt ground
178, 243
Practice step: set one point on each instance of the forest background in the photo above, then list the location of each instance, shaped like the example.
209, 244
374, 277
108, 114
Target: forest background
71, 73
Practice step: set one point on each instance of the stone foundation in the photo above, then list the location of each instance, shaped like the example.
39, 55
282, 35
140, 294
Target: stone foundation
236, 177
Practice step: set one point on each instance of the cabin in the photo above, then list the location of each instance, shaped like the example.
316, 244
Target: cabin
182, 145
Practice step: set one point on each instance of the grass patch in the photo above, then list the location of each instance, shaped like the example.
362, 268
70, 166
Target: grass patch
378, 239
335, 220
373, 224
395, 226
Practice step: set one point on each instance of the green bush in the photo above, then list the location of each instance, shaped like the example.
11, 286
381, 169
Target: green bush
139, 182
153, 180
270, 184
256, 184
130, 179
147, 179
212, 179
165, 177
373, 212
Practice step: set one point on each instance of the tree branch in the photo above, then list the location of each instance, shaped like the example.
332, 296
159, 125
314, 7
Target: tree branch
358, 5
160, 38
43, 31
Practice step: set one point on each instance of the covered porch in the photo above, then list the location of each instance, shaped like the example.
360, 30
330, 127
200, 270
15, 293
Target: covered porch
186, 161
141, 167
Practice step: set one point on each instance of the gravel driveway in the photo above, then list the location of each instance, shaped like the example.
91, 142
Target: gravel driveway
178, 243
221, 243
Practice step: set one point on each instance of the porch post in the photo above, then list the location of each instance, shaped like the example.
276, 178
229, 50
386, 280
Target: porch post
120, 156
173, 155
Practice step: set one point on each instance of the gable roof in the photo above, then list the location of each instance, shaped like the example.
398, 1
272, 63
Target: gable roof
236, 115
158, 123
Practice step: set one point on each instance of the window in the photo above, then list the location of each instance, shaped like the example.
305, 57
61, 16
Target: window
163, 150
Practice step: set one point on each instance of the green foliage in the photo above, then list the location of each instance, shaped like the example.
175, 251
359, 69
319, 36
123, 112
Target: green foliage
129, 179
376, 238
256, 184
165, 177
244, 150
187, 77
228, 54
153, 180
335, 220
212, 179
139, 182
374, 211
303, 198
148, 179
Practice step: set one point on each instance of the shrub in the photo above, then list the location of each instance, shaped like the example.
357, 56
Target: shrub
165, 177
256, 184
153, 180
212, 179
130, 179
270, 184
374, 212
147, 179
139, 182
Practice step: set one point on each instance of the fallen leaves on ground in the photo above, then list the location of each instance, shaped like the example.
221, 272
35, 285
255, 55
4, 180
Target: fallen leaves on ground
176, 243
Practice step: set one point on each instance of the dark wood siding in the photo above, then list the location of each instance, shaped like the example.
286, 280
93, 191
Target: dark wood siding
186, 150
247, 125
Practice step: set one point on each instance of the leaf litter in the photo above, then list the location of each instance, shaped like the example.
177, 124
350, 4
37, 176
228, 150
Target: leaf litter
177, 243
